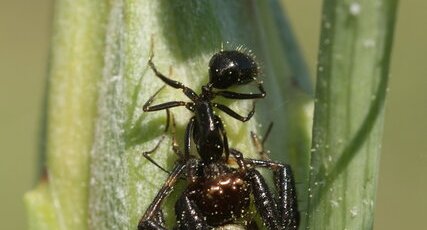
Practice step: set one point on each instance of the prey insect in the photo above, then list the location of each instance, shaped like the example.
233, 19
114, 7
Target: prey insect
218, 194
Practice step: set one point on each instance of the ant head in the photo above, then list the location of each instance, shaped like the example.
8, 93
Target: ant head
230, 68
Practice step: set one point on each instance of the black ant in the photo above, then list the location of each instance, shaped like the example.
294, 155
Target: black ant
226, 69
218, 194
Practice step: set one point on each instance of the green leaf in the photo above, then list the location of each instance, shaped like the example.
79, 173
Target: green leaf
354, 59
41, 213
99, 80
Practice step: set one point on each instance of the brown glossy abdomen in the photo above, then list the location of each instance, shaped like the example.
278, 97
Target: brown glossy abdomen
223, 199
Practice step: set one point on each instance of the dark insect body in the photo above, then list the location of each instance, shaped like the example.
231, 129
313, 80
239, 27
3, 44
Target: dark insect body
226, 69
217, 193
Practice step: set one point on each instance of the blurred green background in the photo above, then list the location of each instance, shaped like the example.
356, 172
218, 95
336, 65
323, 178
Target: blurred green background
401, 201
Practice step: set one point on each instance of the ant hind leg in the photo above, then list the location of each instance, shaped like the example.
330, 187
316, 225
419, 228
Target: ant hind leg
153, 217
169, 119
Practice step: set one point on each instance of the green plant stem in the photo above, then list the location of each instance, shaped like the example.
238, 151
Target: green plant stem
75, 70
354, 59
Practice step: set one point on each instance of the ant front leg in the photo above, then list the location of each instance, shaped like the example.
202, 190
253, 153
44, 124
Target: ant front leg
153, 217
233, 114
243, 96
175, 84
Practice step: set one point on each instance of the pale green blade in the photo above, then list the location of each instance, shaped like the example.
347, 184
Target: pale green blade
99, 80
354, 57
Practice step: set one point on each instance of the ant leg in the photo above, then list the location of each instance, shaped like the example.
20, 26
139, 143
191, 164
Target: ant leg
147, 107
288, 203
187, 139
160, 218
175, 147
175, 84
238, 156
284, 182
189, 215
147, 155
233, 114
157, 223
285, 185
150, 220
224, 137
166, 105
264, 201
243, 96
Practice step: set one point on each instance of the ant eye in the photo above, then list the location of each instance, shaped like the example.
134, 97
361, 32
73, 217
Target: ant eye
229, 68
